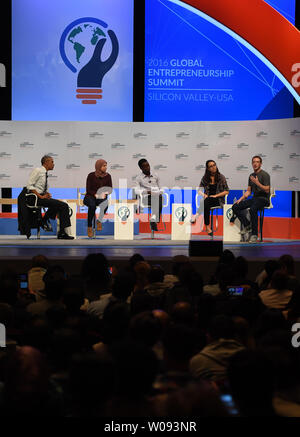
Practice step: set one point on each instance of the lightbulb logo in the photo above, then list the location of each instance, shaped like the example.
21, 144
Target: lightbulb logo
229, 213
123, 214
181, 214
81, 46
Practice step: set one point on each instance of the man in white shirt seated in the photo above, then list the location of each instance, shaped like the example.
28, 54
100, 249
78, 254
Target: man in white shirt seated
38, 184
147, 185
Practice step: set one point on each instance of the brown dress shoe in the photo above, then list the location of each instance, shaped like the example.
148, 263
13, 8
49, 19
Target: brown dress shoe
90, 232
98, 225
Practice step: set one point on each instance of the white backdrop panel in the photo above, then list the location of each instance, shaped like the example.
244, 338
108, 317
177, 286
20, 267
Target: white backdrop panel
176, 151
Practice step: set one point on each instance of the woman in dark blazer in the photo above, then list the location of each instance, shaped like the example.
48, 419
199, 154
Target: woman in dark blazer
215, 189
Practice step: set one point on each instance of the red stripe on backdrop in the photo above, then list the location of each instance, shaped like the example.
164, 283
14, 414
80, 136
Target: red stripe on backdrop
274, 227
261, 26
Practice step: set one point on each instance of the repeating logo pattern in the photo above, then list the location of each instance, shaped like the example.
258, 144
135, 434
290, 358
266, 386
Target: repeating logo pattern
76, 146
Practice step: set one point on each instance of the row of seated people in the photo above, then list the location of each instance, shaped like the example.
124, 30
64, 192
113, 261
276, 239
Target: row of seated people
213, 188
144, 342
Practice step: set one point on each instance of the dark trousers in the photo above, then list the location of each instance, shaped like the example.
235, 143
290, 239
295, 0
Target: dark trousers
209, 202
155, 202
56, 207
92, 203
255, 204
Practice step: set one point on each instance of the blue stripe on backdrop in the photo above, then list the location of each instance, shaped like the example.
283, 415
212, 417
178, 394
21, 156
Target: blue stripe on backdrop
282, 202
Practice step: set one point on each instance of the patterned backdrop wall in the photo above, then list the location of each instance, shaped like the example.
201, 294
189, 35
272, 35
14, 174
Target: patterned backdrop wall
176, 151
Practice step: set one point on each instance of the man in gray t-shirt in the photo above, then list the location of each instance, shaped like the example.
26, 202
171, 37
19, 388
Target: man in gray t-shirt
259, 186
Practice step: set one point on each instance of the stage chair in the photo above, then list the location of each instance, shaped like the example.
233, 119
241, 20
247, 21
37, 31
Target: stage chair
141, 205
36, 213
216, 209
262, 212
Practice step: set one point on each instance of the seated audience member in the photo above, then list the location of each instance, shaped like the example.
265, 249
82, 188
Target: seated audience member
287, 265
156, 287
96, 276
264, 278
192, 280
213, 287
37, 333
292, 311
90, 384
285, 359
243, 332
135, 259
269, 319
176, 262
122, 288
183, 313
225, 262
212, 361
9, 288
28, 390
206, 310
187, 289
227, 257
36, 285
65, 342
136, 367
141, 270
240, 267
115, 326
278, 296
251, 383
73, 296
226, 278
197, 399
54, 280
145, 328
140, 302
179, 345
9, 294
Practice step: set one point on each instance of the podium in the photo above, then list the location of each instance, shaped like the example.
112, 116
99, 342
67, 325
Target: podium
124, 219
72, 212
181, 226
230, 232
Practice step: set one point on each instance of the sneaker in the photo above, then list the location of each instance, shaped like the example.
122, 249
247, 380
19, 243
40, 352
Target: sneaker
98, 225
90, 232
245, 230
193, 220
64, 236
253, 239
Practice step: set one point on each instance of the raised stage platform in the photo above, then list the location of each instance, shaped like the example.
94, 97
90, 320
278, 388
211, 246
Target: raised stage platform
17, 251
